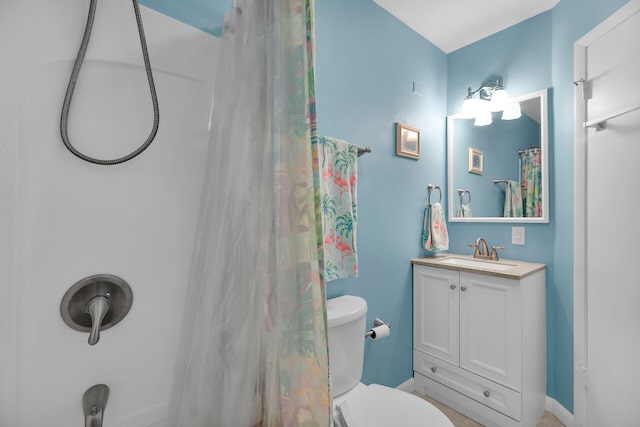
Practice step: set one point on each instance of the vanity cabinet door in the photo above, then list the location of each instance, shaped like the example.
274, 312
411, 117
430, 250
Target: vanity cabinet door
490, 328
436, 312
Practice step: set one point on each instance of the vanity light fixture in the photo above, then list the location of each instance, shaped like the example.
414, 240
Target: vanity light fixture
492, 97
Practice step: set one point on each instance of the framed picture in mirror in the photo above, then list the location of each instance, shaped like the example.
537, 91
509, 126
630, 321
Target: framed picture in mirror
407, 141
475, 161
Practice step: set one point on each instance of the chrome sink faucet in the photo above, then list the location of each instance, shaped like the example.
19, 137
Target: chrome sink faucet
482, 250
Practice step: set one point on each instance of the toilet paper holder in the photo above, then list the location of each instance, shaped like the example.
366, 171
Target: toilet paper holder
376, 322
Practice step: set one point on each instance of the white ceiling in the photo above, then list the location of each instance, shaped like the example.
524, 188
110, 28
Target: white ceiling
452, 24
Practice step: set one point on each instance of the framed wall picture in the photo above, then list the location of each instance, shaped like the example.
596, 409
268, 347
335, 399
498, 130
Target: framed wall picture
475, 161
407, 141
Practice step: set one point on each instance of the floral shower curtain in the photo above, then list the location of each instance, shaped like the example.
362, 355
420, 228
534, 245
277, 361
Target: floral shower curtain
253, 348
532, 183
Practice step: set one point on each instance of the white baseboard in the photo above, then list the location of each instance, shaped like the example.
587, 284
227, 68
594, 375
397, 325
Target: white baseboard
561, 413
408, 386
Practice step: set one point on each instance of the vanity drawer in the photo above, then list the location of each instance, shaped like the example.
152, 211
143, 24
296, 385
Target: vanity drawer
493, 395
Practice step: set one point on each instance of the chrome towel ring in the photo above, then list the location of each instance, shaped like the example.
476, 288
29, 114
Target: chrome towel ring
432, 187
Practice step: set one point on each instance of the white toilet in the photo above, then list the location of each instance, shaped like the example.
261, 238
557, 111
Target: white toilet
359, 405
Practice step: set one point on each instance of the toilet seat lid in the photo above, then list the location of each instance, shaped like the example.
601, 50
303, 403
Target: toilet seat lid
380, 406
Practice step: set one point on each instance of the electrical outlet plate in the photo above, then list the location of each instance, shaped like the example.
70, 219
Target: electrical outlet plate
517, 235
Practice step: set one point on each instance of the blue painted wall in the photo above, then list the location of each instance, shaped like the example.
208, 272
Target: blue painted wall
206, 15
367, 63
521, 57
532, 55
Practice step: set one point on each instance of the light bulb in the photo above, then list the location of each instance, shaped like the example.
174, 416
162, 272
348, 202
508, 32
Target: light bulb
512, 111
499, 99
469, 108
483, 118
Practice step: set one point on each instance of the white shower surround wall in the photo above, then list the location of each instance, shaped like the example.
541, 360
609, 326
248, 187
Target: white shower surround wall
62, 219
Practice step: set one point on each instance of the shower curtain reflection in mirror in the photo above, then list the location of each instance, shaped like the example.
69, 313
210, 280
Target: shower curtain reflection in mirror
531, 182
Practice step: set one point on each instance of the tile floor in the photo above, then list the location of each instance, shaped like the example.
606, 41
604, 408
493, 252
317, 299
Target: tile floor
459, 420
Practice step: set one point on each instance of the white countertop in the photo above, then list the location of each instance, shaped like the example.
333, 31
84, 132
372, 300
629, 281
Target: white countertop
515, 270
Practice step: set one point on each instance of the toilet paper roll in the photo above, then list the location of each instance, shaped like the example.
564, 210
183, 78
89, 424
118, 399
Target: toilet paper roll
380, 332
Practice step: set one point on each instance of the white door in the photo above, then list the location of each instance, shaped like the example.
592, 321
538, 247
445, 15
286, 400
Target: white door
612, 234
490, 328
436, 312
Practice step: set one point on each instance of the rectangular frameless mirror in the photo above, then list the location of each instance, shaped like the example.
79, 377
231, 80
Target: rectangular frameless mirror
499, 172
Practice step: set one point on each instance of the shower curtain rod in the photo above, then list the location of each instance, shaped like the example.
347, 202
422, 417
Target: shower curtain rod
534, 149
505, 181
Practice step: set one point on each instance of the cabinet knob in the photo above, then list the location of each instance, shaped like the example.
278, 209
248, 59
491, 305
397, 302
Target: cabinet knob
434, 369
463, 288
487, 393
453, 287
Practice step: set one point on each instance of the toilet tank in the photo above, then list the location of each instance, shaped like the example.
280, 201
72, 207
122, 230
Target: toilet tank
346, 319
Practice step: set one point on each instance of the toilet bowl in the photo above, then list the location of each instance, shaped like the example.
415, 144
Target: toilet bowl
357, 404
377, 406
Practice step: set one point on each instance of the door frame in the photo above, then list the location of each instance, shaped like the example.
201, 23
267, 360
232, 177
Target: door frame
580, 238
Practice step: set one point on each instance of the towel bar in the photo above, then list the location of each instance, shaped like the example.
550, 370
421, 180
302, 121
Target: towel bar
364, 150
601, 123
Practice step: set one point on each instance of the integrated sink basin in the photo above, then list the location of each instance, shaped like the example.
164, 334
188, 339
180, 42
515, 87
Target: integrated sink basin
476, 263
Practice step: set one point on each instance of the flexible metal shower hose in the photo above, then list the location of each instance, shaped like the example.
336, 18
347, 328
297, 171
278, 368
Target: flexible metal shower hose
64, 118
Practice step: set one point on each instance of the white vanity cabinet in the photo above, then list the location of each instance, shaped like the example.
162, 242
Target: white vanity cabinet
479, 340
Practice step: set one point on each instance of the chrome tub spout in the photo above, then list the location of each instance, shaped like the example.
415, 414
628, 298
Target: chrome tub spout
94, 402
